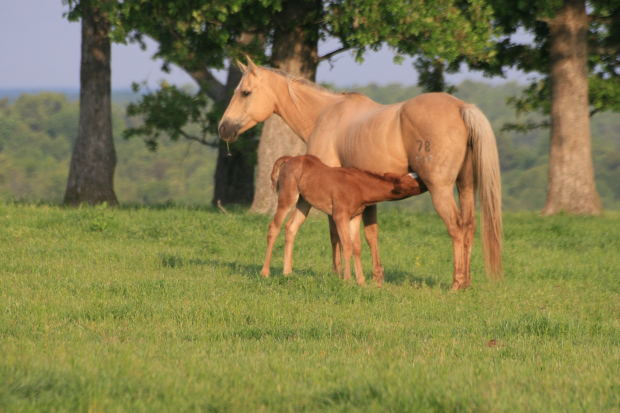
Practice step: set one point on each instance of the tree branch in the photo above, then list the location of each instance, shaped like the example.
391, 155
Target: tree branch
200, 140
209, 84
601, 19
333, 53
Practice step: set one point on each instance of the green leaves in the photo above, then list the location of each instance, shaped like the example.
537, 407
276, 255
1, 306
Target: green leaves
442, 29
603, 51
171, 111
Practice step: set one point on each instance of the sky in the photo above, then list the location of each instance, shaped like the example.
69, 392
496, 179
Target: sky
40, 49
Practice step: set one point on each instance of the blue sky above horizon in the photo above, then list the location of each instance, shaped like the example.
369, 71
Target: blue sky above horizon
40, 49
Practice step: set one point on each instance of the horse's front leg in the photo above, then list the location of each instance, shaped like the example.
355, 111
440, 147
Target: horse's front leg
292, 226
336, 247
371, 232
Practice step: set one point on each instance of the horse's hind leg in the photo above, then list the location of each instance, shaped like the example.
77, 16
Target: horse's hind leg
292, 226
286, 199
371, 232
445, 205
465, 185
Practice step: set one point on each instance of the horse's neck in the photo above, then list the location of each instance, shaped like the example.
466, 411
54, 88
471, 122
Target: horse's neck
300, 105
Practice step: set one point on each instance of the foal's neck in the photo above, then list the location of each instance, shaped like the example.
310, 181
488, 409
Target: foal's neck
300, 104
376, 189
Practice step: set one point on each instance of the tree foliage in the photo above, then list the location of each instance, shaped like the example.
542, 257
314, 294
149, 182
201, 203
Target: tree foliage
200, 36
534, 56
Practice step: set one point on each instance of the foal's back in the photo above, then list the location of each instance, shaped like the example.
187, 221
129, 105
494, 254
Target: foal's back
327, 189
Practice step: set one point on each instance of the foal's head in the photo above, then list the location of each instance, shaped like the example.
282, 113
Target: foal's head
406, 185
252, 102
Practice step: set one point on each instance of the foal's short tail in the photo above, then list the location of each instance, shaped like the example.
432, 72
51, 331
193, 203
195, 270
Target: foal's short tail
275, 172
489, 185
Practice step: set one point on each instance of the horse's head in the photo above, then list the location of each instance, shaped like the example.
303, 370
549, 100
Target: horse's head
252, 102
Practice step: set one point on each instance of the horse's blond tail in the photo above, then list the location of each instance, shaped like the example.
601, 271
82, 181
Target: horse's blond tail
489, 185
275, 172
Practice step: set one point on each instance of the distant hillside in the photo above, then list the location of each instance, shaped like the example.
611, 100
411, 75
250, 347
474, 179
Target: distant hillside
37, 130
120, 96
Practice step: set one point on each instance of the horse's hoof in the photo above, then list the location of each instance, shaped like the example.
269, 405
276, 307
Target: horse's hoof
264, 274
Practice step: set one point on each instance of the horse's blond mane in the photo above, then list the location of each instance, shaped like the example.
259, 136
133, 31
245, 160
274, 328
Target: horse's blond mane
303, 81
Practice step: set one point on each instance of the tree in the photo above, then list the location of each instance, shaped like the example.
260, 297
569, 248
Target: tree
570, 154
197, 36
576, 47
294, 50
91, 172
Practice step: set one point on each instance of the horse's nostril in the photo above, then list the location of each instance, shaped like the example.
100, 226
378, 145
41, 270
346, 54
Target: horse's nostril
227, 130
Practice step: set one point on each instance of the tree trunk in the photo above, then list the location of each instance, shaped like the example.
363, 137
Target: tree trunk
91, 173
571, 185
295, 50
234, 175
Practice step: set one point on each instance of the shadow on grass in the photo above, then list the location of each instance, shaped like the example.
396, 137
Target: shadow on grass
253, 271
405, 277
248, 270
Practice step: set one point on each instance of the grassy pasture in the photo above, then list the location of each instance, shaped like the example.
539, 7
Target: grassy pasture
162, 309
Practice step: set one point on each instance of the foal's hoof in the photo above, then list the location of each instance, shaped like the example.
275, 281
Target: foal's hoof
264, 273
460, 285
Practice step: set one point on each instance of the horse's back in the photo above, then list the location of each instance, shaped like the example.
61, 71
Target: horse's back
424, 133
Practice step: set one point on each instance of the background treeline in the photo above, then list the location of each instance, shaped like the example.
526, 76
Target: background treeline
37, 132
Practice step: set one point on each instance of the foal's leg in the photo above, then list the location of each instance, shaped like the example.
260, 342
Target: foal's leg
336, 247
292, 226
443, 201
354, 229
371, 232
465, 184
286, 199
342, 225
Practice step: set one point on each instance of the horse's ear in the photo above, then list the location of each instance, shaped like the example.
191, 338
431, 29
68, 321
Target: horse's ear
241, 66
251, 64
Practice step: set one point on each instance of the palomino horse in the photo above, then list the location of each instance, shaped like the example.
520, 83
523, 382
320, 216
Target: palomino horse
445, 140
342, 193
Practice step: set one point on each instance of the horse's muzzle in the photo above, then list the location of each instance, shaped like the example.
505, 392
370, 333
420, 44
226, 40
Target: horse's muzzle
228, 131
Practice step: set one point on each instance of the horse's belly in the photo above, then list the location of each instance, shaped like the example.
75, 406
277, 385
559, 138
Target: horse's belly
374, 147
367, 139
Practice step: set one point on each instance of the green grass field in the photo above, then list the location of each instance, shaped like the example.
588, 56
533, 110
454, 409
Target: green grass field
162, 309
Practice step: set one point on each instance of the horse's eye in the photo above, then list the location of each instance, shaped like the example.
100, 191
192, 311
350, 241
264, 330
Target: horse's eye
246, 93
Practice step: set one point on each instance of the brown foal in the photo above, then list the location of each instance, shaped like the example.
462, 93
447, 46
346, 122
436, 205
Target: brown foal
342, 193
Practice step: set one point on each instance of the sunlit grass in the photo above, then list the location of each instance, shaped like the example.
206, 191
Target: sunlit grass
164, 310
